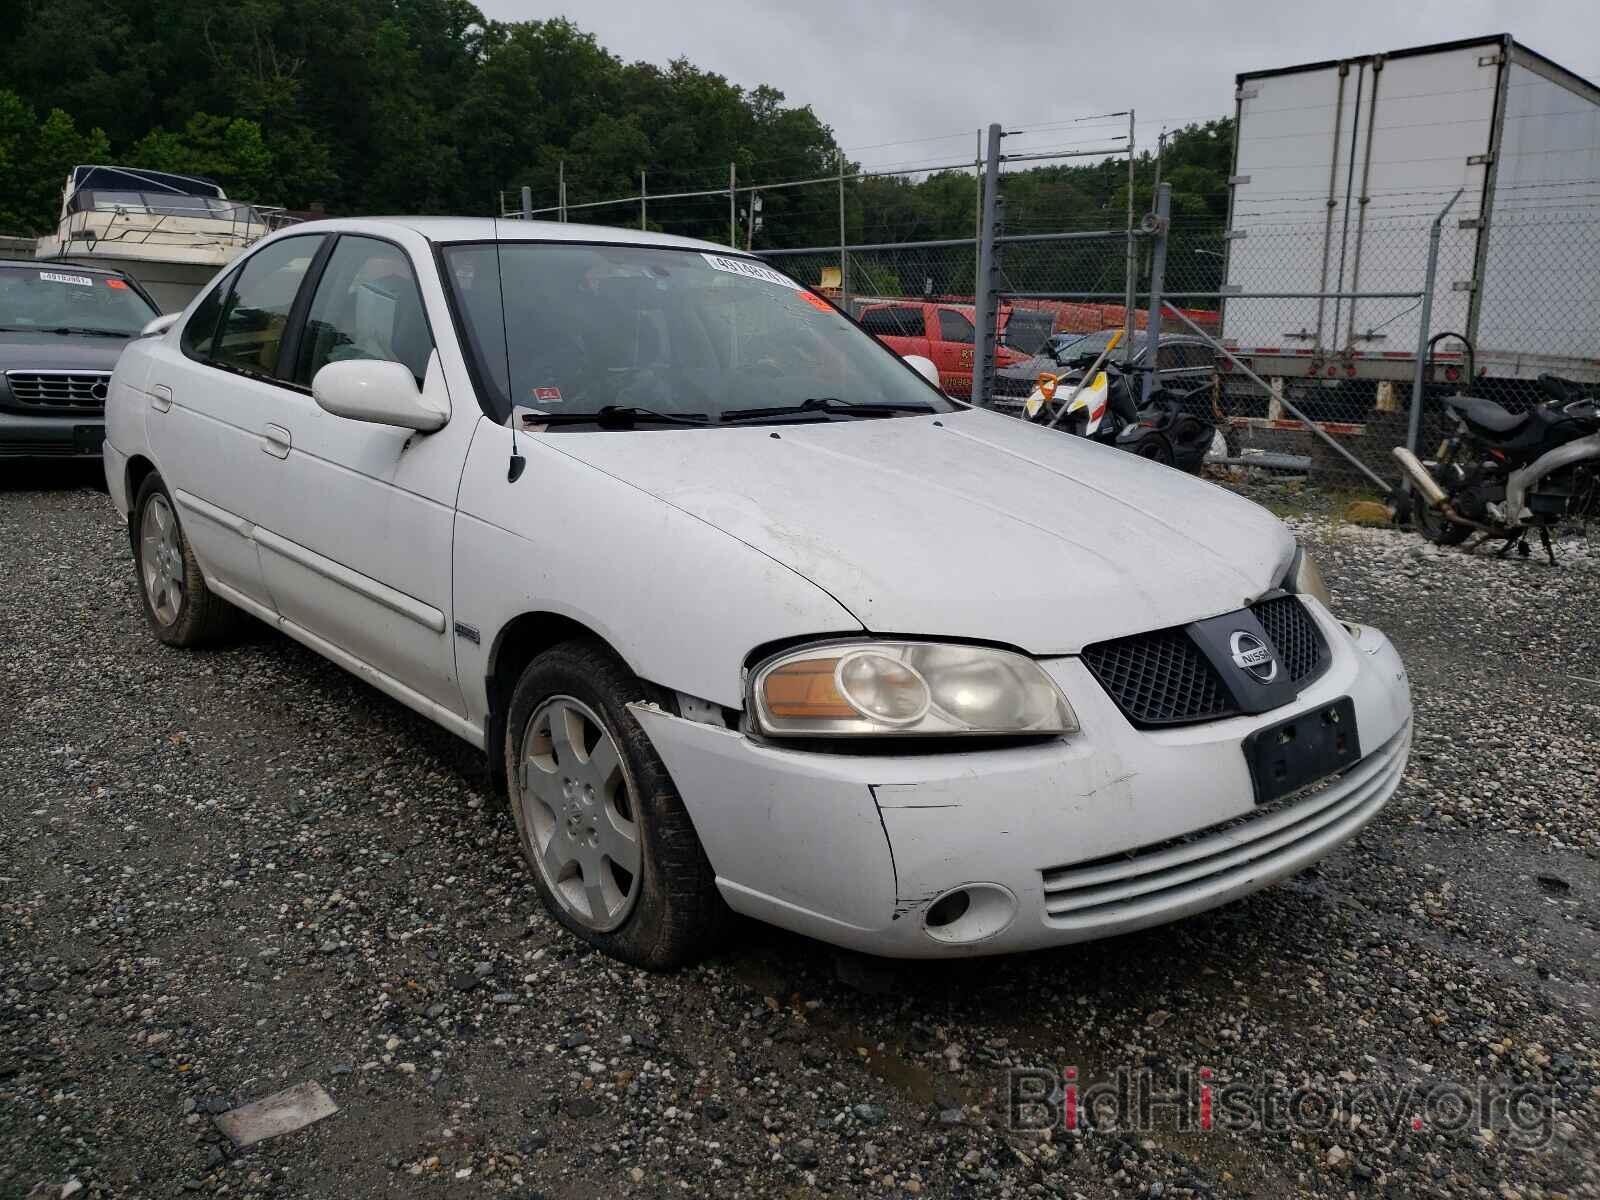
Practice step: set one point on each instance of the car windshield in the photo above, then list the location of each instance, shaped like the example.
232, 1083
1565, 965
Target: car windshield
667, 332
63, 297
1088, 348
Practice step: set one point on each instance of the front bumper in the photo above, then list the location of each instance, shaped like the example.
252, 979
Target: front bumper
71, 435
1111, 830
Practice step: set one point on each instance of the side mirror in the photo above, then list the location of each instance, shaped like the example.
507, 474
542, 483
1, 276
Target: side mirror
923, 366
160, 325
369, 389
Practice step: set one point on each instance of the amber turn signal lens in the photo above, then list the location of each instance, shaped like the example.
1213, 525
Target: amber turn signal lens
805, 690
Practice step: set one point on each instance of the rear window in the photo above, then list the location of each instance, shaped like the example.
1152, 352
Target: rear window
66, 297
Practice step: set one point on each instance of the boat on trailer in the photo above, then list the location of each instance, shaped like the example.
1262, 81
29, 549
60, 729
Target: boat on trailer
172, 233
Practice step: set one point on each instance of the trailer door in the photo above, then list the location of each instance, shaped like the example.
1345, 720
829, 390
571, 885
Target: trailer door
1291, 175
1428, 120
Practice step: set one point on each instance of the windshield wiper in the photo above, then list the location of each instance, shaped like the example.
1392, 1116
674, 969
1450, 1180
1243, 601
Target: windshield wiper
823, 404
85, 332
615, 416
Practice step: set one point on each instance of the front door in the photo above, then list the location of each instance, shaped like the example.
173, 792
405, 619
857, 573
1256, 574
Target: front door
952, 351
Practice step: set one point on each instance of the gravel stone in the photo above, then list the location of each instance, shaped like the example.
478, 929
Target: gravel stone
187, 831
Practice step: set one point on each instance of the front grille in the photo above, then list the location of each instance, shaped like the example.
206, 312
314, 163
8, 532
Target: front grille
1293, 634
1163, 678
75, 390
1159, 678
1199, 869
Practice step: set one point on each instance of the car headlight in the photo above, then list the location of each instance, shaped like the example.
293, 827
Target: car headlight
905, 688
1306, 579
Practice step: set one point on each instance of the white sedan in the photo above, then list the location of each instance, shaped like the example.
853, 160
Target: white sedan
745, 613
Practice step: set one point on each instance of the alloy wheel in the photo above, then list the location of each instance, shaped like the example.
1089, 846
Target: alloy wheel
578, 807
161, 560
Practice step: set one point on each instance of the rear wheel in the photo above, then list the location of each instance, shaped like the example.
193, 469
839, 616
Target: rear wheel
1435, 526
613, 853
181, 609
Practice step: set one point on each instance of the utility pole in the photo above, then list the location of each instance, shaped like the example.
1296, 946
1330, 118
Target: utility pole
983, 309
1161, 148
561, 190
733, 214
750, 227
527, 204
642, 221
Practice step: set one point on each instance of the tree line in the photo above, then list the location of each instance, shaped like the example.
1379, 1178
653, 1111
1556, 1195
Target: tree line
426, 106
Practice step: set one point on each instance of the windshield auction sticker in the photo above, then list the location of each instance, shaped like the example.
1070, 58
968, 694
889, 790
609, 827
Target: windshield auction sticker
750, 270
55, 277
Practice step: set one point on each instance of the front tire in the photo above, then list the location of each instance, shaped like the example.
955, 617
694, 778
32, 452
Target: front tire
1435, 526
608, 841
181, 609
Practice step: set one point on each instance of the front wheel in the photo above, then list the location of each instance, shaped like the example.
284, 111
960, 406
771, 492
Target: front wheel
611, 848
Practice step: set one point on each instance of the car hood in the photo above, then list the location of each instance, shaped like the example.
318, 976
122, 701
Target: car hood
45, 351
969, 525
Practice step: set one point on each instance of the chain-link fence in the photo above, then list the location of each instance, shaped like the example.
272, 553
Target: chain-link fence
1314, 335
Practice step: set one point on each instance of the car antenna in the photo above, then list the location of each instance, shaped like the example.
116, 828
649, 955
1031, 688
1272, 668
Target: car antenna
515, 466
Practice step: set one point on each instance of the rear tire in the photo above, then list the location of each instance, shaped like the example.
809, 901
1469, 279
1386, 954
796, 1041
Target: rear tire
181, 609
611, 848
1434, 526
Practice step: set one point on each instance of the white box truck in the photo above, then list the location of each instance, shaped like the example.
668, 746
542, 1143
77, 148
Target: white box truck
1340, 168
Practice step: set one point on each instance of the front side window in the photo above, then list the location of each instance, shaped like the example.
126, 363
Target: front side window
201, 327
367, 305
256, 312
65, 297
953, 327
679, 332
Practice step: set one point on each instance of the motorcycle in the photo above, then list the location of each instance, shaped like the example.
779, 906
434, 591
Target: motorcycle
1103, 410
1503, 474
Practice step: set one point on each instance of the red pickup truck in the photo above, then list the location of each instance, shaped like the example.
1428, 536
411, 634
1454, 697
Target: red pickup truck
941, 332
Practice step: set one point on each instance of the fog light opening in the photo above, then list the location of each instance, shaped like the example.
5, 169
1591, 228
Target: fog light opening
949, 909
969, 913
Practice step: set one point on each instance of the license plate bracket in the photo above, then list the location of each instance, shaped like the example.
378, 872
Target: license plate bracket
1308, 747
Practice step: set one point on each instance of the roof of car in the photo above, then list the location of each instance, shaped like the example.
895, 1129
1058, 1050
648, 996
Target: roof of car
51, 264
488, 229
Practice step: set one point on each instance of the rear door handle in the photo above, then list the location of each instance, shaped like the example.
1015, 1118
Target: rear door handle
276, 441
161, 397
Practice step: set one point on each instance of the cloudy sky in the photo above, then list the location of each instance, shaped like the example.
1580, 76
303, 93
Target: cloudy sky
908, 82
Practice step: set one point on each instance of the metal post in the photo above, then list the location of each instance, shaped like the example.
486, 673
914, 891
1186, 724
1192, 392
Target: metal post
977, 179
561, 189
642, 222
983, 310
1158, 269
527, 204
844, 253
733, 215
1132, 267
1424, 322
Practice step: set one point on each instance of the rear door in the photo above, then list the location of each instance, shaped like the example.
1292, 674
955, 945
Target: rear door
210, 412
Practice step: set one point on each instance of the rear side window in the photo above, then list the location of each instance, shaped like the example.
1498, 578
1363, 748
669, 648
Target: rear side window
201, 327
256, 313
953, 327
367, 305
894, 322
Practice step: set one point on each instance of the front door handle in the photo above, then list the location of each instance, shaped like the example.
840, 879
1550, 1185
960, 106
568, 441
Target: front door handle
276, 440
161, 397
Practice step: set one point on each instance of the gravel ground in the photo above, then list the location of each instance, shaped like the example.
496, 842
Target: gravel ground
229, 872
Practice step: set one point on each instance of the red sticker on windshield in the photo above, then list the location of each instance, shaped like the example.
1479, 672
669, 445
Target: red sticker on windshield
115, 283
549, 395
816, 301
